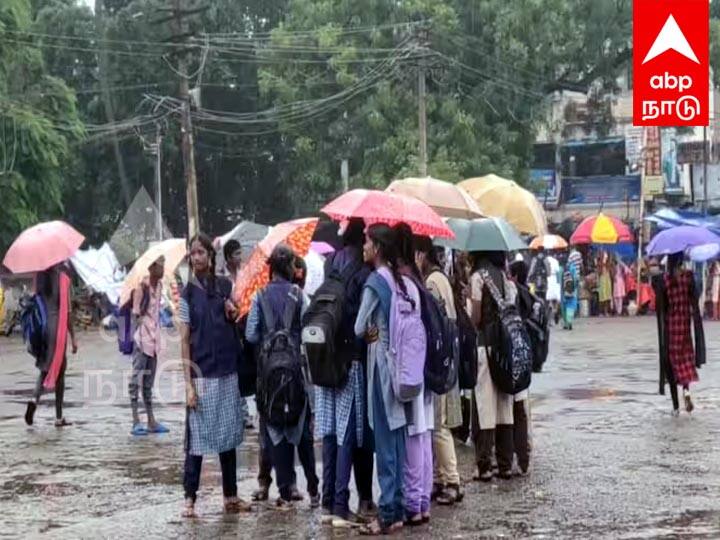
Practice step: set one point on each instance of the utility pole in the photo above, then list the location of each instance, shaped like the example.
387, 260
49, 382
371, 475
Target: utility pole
176, 15
705, 170
158, 179
422, 110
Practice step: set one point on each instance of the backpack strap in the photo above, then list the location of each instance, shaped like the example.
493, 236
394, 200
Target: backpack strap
494, 291
291, 307
267, 312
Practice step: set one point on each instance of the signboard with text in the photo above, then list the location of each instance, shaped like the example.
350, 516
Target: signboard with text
671, 48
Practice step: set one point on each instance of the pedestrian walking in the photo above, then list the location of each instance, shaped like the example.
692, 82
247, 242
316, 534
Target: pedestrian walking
232, 253
677, 310
385, 413
539, 273
418, 473
571, 287
274, 324
53, 288
715, 290
448, 408
619, 289
605, 292
146, 305
215, 421
493, 410
341, 413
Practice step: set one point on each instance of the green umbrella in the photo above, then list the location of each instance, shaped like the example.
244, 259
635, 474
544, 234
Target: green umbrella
488, 234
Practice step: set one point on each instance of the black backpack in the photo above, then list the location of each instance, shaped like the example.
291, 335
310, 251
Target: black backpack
511, 359
468, 345
540, 274
325, 334
535, 315
441, 358
281, 392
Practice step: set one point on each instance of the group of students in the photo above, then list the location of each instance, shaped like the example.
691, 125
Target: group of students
375, 415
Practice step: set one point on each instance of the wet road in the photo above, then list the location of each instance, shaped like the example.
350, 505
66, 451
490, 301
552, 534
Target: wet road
609, 461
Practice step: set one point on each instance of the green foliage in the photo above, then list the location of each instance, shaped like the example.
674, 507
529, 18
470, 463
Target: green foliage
39, 128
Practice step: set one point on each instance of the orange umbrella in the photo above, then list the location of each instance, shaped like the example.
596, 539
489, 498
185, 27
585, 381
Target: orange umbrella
255, 274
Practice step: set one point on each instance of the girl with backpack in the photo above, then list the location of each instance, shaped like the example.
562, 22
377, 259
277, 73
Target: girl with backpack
418, 473
448, 408
274, 324
493, 422
386, 414
215, 420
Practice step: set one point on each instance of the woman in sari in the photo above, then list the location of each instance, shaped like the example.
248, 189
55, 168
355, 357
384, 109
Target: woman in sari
53, 286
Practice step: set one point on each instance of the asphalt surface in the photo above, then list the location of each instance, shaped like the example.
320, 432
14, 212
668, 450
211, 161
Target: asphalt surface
609, 460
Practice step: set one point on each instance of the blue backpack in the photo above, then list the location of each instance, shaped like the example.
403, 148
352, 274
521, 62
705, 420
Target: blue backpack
34, 325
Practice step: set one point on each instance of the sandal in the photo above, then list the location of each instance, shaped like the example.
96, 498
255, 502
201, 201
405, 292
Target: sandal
415, 520
445, 497
189, 509
62, 423
261, 494
426, 519
457, 492
233, 505
374, 528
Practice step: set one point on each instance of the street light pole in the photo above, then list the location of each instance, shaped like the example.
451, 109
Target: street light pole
158, 179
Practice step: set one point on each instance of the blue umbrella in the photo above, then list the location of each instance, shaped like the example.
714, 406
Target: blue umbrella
681, 239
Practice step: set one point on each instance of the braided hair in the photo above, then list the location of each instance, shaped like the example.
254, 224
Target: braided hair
385, 241
406, 249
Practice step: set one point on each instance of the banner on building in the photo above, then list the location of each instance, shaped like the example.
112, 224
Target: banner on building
543, 184
601, 189
671, 49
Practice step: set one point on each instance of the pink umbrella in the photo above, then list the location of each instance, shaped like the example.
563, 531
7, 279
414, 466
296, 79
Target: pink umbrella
385, 207
42, 246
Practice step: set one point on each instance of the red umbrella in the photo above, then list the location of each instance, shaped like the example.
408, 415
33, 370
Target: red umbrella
602, 229
255, 274
384, 207
42, 246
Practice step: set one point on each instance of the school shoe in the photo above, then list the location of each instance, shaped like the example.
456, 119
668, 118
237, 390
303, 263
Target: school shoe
487, 476
315, 501
367, 510
261, 494
284, 505
506, 475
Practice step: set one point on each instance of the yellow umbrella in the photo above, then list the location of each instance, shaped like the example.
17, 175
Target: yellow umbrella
174, 251
445, 198
498, 197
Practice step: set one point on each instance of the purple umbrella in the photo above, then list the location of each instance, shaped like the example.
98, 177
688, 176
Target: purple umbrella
681, 239
321, 248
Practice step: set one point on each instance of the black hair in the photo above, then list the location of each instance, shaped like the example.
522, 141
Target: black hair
495, 258
674, 261
519, 270
354, 234
299, 264
385, 241
231, 246
405, 247
423, 244
282, 262
206, 243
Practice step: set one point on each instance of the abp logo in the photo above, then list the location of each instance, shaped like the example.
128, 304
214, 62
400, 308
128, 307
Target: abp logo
671, 48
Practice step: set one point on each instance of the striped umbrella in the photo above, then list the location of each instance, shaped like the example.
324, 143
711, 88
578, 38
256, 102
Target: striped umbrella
549, 242
602, 229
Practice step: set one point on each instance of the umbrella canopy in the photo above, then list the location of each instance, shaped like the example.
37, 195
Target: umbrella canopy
42, 246
488, 234
255, 274
549, 242
383, 207
321, 248
602, 229
174, 250
445, 198
498, 197
682, 239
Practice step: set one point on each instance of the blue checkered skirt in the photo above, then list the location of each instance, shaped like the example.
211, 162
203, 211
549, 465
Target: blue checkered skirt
217, 423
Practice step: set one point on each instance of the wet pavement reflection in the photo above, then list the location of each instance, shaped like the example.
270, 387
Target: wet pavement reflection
609, 460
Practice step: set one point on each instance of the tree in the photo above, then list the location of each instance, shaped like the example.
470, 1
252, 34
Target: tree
39, 128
